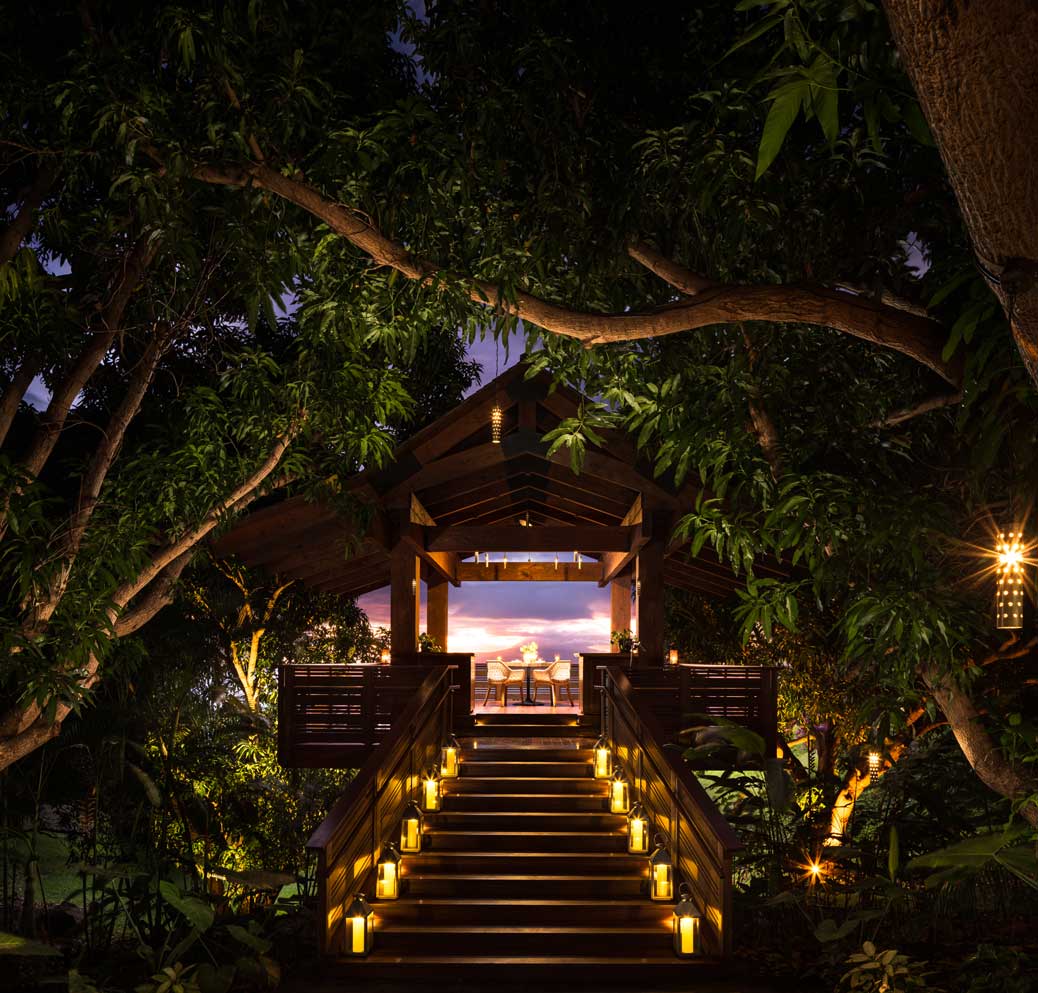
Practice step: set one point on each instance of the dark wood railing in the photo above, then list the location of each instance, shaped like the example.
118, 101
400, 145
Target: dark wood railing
367, 816
698, 838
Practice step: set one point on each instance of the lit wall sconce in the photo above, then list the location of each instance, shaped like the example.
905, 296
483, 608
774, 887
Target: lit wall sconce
496, 419
411, 829
430, 790
603, 759
637, 831
360, 926
1009, 588
687, 926
875, 761
384, 656
387, 878
661, 873
672, 656
449, 755
619, 794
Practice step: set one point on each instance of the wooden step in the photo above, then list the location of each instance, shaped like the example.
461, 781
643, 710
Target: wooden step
467, 910
524, 886
543, 719
476, 861
512, 839
518, 753
527, 730
511, 939
525, 820
583, 785
525, 801
533, 768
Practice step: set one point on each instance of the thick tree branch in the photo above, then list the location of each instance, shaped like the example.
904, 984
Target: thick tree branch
12, 398
918, 338
685, 280
12, 236
922, 407
157, 596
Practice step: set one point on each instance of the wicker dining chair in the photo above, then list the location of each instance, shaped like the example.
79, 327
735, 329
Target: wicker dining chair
555, 677
499, 678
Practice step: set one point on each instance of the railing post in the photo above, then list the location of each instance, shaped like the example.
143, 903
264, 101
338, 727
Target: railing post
368, 705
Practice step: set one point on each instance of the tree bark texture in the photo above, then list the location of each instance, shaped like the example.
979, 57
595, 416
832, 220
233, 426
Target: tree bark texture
974, 65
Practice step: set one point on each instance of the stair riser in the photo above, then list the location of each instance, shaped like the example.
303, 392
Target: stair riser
440, 841
519, 754
545, 719
591, 887
516, 820
491, 770
542, 943
580, 863
548, 914
569, 786
535, 731
489, 802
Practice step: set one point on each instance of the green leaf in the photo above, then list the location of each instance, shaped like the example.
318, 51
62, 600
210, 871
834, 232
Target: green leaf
199, 914
769, 22
783, 113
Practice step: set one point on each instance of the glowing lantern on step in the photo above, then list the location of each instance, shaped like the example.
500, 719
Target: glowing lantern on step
430, 790
387, 882
619, 794
637, 831
687, 926
449, 755
360, 926
661, 873
411, 830
1009, 590
603, 759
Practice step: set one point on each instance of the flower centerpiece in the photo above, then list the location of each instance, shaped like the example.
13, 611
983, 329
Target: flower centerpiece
529, 652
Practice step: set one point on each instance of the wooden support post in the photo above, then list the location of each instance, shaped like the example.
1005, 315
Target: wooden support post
404, 593
650, 603
436, 610
620, 605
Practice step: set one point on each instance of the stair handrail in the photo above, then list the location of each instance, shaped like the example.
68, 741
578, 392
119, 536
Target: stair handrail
699, 839
349, 840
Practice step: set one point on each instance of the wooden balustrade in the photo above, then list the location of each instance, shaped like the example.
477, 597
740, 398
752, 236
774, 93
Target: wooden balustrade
367, 816
698, 838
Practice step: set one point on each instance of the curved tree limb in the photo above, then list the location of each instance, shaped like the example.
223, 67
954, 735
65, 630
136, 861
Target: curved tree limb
15, 391
922, 407
12, 236
688, 282
919, 338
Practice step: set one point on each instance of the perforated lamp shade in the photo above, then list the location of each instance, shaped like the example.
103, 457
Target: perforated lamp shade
619, 794
449, 755
1009, 587
661, 873
360, 926
603, 759
687, 923
411, 829
637, 831
387, 876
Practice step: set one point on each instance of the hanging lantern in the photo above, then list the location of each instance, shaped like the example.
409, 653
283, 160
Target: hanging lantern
1009, 589
619, 794
430, 790
672, 656
875, 761
411, 829
637, 831
603, 759
661, 873
387, 880
449, 755
385, 657
687, 925
496, 418
360, 926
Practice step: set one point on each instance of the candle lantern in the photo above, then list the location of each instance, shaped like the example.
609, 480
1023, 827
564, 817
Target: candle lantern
603, 759
619, 794
360, 926
1009, 590
430, 790
385, 657
672, 656
687, 926
661, 873
387, 882
637, 831
411, 829
449, 755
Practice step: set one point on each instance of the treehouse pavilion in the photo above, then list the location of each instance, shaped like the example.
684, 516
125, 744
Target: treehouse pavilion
563, 840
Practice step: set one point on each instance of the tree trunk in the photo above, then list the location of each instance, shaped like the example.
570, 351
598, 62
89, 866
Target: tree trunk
982, 752
973, 65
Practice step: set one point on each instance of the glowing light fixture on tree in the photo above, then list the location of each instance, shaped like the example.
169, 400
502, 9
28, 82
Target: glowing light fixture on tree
497, 416
449, 755
411, 829
637, 831
1009, 588
603, 759
431, 794
875, 761
360, 926
661, 873
619, 794
387, 882
687, 925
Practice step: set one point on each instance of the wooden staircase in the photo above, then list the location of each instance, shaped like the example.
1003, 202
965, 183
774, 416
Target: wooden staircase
524, 877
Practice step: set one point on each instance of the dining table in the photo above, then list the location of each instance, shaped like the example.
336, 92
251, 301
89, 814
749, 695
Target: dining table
529, 667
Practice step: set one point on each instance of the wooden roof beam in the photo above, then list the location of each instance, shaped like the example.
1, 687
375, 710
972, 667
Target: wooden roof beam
529, 572
532, 539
